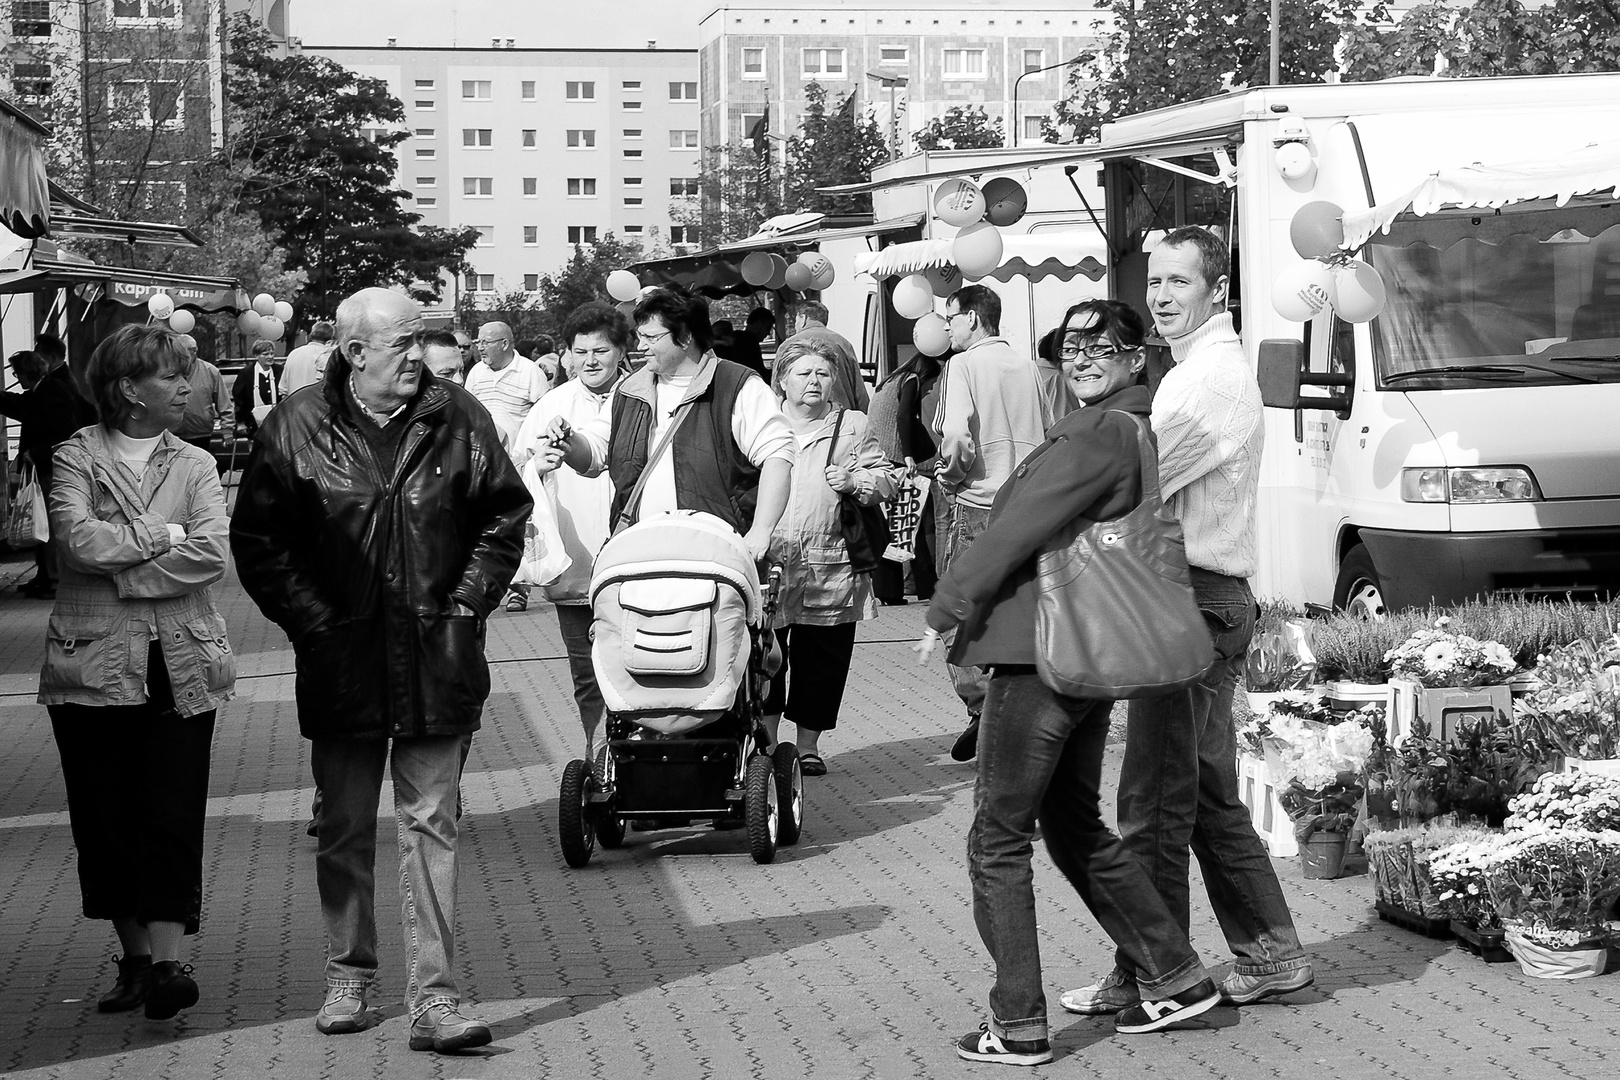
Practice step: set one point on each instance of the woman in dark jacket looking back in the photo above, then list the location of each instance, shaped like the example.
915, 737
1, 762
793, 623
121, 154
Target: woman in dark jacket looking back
1040, 754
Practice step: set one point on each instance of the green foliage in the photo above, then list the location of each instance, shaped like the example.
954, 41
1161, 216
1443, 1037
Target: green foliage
732, 202
963, 127
841, 146
581, 280
1489, 37
314, 144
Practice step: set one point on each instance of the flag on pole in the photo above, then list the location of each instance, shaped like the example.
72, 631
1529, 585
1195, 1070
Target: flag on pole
759, 133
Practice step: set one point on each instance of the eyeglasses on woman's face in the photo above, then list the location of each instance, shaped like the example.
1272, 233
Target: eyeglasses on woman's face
1097, 350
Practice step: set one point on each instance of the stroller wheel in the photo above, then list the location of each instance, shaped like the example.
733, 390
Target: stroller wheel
578, 835
789, 794
609, 825
760, 808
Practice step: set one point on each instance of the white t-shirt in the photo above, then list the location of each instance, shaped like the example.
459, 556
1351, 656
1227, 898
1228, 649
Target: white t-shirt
758, 428
305, 365
137, 453
509, 393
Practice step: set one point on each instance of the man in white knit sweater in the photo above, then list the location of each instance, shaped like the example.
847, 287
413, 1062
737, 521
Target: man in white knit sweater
1178, 784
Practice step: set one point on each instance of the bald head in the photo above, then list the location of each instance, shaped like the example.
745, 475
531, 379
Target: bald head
189, 343
495, 344
359, 316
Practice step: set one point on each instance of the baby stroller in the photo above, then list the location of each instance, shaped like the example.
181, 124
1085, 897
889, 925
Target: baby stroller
683, 653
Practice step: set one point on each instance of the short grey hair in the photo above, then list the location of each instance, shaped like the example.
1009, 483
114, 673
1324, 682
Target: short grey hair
357, 315
321, 331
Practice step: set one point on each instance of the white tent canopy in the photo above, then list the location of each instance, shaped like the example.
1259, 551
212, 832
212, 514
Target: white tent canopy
1064, 255
1593, 169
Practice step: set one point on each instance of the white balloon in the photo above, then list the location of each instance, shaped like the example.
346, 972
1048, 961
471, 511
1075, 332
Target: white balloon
959, 202
160, 305
822, 274
182, 322
264, 304
931, 335
283, 311
977, 250
271, 328
622, 285
1301, 290
248, 322
913, 297
1358, 292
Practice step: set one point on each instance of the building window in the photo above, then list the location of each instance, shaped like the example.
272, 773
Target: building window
31, 84
632, 181
426, 153
629, 153
748, 122
632, 106
632, 133
531, 138
683, 91
582, 234
895, 55
1034, 60
424, 104
477, 282
477, 138
580, 91
427, 181
146, 12
425, 84
531, 235
683, 139
632, 200
427, 202
632, 87
964, 63
478, 187
159, 104
475, 90
753, 63
580, 187
822, 63
1032, 128
635, 230
683, 187
31, 18
528, 89
681, 235
426, 133
531, 282
531, 187
486, 235
581, 139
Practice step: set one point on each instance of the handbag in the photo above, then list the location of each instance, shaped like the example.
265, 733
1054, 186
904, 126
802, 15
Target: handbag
1115, 615
865, 528
28, 525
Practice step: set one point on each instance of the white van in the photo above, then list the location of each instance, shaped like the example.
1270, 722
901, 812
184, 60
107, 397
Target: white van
1467, 440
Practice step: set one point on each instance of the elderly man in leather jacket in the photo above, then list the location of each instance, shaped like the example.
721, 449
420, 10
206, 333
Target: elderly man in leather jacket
378, 524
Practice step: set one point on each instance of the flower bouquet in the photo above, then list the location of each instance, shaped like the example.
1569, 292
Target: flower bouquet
1439, 658
1400, 863
1577, 706
1471, 778
1315, 756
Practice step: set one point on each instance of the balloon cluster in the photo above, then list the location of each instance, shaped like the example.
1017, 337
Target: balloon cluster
161, 307
977, 213
266, 319
1326, 277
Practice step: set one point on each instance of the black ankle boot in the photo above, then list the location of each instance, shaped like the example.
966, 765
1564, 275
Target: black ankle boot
134, 976
172, 989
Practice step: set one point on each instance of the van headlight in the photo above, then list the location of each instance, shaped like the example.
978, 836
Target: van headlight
1469, 484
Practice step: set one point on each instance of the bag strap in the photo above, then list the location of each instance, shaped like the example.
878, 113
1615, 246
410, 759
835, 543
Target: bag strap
632, 505
838, 423
1150, 460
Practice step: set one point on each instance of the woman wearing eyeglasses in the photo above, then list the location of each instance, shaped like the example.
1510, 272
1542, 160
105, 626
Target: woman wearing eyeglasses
1040, 754
731, 454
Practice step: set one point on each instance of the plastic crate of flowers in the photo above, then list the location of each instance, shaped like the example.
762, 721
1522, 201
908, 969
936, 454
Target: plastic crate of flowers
1439, 658
1399, 861
1577, 706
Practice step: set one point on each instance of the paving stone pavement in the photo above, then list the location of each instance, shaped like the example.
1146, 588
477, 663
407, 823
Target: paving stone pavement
854, 955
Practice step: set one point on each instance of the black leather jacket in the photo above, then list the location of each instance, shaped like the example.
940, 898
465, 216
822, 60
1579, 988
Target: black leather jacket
362, 569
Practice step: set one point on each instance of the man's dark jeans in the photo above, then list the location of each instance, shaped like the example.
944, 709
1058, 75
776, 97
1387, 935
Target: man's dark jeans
1178, 787
1040, 756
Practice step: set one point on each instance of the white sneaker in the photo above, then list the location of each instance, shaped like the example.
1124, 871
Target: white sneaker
1113, 994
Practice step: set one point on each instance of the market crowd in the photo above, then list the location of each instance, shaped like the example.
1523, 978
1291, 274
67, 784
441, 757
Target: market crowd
380, 521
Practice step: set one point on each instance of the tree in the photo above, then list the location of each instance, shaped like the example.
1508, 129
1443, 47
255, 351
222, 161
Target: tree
831, 148
581, 280
1490, 37
732, 202
314, 144
963, 127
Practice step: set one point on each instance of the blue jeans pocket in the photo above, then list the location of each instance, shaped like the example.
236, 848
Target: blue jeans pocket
1231, 626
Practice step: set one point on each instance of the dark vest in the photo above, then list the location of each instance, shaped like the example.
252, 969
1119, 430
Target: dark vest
711, 473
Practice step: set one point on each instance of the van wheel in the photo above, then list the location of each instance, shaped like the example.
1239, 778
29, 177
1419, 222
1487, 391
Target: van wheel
1358, 591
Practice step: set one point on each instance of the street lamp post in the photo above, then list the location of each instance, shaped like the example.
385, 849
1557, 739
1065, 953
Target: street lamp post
891, 82
1021, 78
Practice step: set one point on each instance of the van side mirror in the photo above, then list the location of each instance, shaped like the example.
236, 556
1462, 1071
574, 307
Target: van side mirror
1282, 372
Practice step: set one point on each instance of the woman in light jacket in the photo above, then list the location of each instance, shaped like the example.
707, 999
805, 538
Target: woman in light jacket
823, 598
136, 659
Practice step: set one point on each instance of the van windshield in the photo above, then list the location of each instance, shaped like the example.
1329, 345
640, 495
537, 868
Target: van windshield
1528, 296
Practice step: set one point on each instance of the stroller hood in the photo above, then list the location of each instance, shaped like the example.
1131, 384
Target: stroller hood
688, 543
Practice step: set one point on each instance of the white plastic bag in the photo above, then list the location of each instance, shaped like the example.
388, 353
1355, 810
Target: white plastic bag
544, 560
905, 514
28, 525
1540, 962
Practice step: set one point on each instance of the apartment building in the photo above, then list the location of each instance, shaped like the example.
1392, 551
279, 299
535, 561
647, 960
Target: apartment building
542, 149
1003, 57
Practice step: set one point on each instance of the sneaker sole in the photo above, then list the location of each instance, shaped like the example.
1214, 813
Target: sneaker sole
1005, 1058
1265, 994
346, 1026
1098, 1009
474, 1038
1198, 1008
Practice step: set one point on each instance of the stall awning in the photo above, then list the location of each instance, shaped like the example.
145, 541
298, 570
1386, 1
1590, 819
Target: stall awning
127, 286
25, 202
717, 271
1591, 170
1063, 255
84, 227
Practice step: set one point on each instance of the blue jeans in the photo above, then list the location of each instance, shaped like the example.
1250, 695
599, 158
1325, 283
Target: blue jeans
966, 525
427, 783
1040, 756
1178, 787
574, 620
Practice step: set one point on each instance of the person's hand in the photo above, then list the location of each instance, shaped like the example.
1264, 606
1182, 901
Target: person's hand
559, 432
840, 479
925, 646
548, 459
758, 543
462, 609
911, 467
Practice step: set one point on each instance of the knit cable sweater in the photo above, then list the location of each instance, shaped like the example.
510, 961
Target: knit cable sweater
1207, 416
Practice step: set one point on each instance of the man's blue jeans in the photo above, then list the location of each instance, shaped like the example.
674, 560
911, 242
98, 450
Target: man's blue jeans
966, 524
427, 783
1178, 787
1040, 756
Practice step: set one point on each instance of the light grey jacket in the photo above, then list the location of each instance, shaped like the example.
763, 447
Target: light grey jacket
123, 582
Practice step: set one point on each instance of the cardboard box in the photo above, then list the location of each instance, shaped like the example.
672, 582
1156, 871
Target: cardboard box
1259, 794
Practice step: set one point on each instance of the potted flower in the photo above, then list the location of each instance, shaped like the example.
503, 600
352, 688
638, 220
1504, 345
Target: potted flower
1459, 873
1445, 677
1315, 755
1399, 860
1279, 659
1577, 706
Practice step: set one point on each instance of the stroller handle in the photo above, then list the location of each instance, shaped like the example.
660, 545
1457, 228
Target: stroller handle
770, 588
